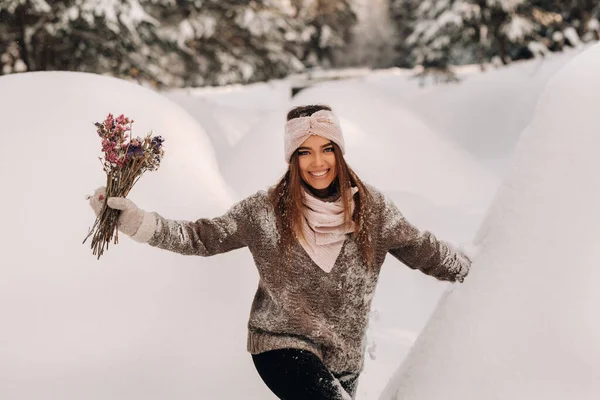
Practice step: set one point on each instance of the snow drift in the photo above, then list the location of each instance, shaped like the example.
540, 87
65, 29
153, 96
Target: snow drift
140, 322
524, 324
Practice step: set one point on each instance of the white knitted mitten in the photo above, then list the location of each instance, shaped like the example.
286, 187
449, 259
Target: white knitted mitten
133, 221
98, 199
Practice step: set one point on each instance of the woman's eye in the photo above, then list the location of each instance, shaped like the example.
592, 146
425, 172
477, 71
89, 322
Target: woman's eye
302, 152
329, 149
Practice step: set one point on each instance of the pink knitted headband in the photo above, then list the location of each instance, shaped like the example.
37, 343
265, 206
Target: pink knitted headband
322, 123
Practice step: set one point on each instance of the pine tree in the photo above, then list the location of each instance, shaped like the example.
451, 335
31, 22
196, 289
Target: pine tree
583, 15
507, 28
100, 36
328, 28
232, 41
448, 32
18, 19
403, 13
442, 35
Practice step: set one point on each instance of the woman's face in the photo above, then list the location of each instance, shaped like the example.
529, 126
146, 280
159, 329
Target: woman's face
317, 161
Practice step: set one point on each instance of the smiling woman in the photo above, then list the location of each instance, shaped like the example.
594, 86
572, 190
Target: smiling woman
332, 232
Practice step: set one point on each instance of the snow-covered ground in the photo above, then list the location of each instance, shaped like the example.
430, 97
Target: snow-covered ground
143, 323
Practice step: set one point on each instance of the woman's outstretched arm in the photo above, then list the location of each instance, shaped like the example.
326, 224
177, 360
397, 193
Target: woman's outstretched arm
205, 236
421, 249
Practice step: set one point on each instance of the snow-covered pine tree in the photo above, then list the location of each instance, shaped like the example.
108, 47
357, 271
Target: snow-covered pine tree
582, 15
521, 29
328, 26
448, 32
231, 41
516, 29
119, 37
101, 36
508, 28
444, 33
18, 19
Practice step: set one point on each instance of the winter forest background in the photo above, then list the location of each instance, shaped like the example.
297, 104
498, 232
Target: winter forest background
175, 43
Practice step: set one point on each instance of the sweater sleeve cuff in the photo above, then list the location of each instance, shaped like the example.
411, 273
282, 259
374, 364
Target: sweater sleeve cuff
146, 229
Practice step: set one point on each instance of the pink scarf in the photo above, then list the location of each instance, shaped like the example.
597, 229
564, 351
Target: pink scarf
324, 229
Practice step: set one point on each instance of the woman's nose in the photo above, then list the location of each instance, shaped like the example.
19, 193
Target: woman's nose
318, 160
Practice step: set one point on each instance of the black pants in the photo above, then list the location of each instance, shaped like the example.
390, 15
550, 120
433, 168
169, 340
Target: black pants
294, 374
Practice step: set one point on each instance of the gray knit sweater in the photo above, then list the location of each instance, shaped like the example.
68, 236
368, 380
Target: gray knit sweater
305, 307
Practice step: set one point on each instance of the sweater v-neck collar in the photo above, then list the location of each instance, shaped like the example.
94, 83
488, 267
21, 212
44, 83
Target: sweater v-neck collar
314, 264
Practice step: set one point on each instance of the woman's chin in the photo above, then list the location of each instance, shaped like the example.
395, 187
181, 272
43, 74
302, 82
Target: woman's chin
319, 185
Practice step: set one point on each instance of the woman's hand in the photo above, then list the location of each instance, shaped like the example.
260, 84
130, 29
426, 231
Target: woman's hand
97, 200
132, 217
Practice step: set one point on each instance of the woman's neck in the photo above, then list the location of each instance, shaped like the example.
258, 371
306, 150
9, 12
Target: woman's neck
330, 193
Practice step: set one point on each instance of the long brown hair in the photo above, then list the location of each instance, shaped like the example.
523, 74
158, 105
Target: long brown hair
286, 197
